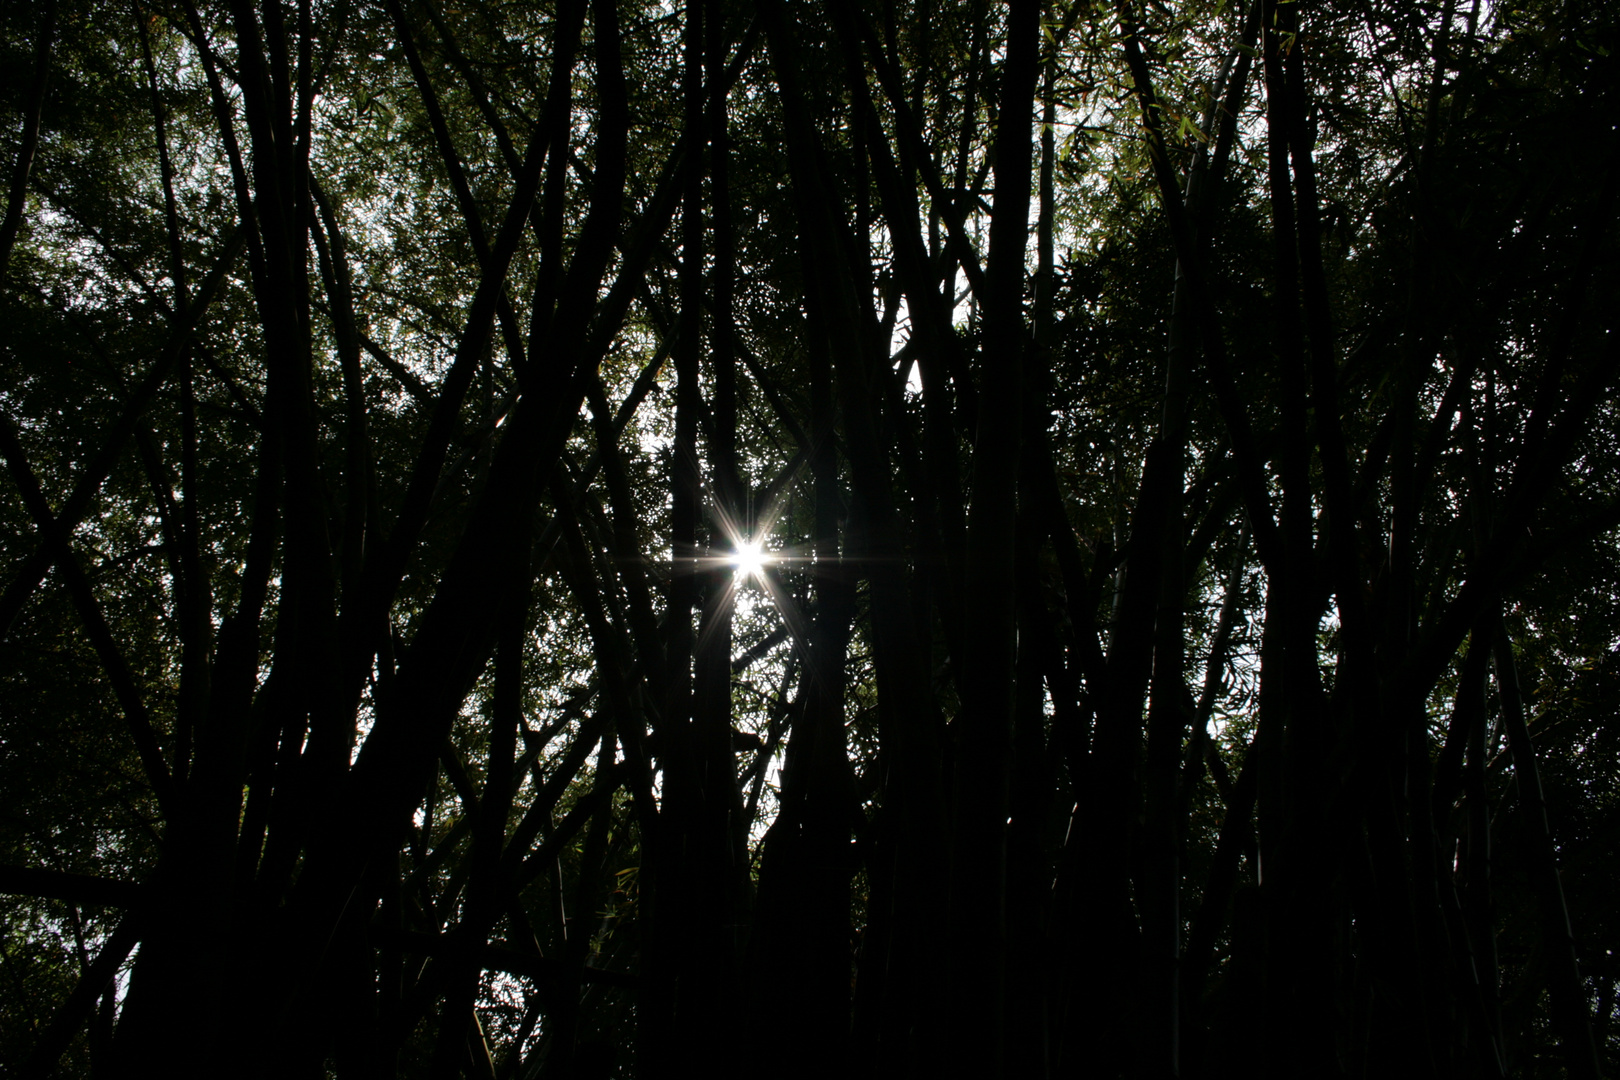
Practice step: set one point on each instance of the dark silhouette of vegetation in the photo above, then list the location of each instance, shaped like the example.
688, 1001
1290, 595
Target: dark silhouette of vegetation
809, 538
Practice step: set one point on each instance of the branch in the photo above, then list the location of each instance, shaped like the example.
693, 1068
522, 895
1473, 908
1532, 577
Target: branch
112, 660
1568, 993
28, 577
75, 888
30, 139
71, 1016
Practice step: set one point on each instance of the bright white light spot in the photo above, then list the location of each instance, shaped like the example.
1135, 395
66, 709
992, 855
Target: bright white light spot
749, 559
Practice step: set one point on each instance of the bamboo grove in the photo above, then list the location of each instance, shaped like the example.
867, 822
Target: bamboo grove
584, 538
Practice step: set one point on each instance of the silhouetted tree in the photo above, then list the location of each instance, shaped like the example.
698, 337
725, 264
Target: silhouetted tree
820, 538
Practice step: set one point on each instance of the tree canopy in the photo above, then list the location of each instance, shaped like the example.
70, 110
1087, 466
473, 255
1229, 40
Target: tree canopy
553, 539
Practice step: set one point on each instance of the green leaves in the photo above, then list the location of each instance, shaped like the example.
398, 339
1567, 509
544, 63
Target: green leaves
1459, 298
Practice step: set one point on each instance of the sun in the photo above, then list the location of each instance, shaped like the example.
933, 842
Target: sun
749, 559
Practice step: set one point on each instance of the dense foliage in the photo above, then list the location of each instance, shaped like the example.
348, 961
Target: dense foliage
555, 539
